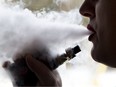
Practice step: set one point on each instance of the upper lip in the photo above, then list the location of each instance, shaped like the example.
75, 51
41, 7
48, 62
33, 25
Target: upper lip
91, 28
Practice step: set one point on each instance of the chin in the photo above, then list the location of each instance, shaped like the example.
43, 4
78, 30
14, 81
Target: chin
108, 61
103, 57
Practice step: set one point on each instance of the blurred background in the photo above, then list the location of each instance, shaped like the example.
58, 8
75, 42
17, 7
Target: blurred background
81, 71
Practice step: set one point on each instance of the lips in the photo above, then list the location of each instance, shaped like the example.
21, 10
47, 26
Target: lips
90, 28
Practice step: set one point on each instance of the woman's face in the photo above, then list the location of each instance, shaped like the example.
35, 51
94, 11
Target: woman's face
102, 15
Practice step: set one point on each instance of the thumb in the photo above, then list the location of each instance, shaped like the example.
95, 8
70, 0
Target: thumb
35, 65
43, 73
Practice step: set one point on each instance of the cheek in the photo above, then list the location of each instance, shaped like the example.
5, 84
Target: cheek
104, 25
104, 49
105, 45
101, 43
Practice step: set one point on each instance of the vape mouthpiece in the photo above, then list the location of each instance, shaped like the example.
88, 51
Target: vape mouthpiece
76, 49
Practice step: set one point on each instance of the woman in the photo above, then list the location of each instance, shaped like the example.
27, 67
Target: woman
102, 15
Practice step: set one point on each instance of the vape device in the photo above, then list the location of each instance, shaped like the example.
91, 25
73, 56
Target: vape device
23, 76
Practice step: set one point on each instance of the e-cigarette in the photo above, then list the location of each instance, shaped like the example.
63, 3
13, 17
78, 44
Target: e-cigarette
23, 76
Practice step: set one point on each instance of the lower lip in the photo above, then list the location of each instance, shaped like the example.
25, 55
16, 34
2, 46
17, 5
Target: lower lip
91, 37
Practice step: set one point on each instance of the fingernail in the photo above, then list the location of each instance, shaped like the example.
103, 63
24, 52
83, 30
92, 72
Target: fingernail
29, 60
28, 57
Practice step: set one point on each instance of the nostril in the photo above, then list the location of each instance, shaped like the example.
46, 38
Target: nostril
86, 14
87, 9
89, 14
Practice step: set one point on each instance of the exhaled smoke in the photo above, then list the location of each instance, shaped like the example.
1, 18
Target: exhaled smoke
21, 26
24, 32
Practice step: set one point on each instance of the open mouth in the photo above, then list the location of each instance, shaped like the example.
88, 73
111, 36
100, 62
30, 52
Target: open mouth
90, 28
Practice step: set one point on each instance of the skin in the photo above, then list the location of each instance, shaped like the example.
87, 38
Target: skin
102, 15
46, 77
26, 67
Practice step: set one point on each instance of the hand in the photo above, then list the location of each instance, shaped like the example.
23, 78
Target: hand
45, 77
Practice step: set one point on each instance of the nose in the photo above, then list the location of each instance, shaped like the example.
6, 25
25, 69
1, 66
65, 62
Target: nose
87, 9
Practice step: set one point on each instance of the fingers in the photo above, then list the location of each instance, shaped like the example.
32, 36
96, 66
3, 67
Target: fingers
45, 76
